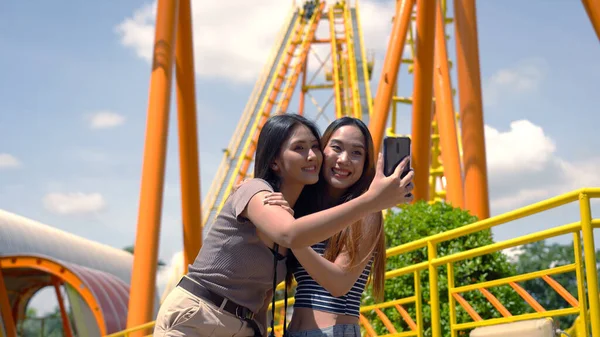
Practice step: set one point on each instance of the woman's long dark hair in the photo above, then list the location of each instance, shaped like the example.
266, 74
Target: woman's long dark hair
315, 198
274, 133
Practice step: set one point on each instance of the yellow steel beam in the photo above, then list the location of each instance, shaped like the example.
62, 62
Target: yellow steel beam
365, 63
351, 61
335, 66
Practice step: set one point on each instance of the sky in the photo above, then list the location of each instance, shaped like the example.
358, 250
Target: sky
75, 86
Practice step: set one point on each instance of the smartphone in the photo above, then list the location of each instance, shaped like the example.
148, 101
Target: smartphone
395, 149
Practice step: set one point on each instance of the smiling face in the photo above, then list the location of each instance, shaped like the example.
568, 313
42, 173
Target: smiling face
344, 158
300, 158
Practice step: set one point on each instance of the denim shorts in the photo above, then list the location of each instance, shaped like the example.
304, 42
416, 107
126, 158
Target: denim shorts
339, 330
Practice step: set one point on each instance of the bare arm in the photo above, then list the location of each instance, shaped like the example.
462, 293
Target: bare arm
338, 277
282, 228
261, 315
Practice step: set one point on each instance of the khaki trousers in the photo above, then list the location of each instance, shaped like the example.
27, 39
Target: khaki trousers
184, 314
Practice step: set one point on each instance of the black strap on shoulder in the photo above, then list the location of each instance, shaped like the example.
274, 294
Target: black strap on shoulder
276, 258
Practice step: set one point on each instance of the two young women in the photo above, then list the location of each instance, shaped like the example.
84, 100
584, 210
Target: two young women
228, 288
332, 274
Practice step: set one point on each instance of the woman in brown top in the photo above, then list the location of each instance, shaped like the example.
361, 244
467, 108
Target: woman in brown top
229, 286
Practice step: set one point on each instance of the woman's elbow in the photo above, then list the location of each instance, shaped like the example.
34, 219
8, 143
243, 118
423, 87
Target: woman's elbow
285, 238
292, 240
339, 290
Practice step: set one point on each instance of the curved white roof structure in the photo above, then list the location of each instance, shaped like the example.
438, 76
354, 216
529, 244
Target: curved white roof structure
20, 235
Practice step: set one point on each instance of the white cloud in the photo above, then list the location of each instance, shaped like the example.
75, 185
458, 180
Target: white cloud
74, 203
520, 198
513, 253
524, 147
523, 167
522, 79
168, 275
233, 39
106, 119
8, 161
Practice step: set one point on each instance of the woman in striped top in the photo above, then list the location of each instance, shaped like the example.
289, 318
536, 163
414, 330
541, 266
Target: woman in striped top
332, 274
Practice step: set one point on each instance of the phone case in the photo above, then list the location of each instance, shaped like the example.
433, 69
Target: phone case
394, 150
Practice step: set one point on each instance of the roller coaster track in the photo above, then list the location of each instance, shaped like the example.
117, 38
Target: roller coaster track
274, 89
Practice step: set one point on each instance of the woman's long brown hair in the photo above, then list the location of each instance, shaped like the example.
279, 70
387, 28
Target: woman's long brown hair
314, 198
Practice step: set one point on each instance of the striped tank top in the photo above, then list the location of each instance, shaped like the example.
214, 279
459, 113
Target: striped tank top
309, 294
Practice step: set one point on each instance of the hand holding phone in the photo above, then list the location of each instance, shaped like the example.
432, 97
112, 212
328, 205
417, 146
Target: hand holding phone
392, 184
395, 149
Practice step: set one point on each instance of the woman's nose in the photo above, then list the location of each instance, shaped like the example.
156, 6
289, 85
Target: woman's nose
343, 157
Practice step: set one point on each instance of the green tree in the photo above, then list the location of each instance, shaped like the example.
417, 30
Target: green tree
540, 256
422, 220
131, 249
49, 325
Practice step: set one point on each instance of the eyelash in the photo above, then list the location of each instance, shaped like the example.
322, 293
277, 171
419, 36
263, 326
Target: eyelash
299, 148
337, 148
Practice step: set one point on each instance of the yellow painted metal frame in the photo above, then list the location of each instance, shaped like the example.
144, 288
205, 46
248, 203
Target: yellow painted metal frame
289, 42
335, 66
125, 333
351, 62
300, 61
364, 61
584, 268
235, 142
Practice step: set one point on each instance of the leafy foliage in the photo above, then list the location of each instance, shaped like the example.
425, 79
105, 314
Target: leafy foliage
422, 220
540, 256
49, 326
131, 250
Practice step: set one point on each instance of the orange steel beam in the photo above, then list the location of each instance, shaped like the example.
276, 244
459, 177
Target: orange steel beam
389, 73
368, 327
63, 273
468, 308
63, 311
592, 8
495, 302
406, 316
564, 293
445, 116
5, 309
386, 321
471, 109
527, 297
23, 298
188, 138
141, 297
269, 106
422, 97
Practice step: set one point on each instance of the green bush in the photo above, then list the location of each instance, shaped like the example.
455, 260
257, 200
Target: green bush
421, 220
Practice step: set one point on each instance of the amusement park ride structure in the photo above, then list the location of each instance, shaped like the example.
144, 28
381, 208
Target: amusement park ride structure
448, 149
445, 167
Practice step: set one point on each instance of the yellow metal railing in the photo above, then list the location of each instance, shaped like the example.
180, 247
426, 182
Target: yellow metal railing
585, 270
588, 308
125, 333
